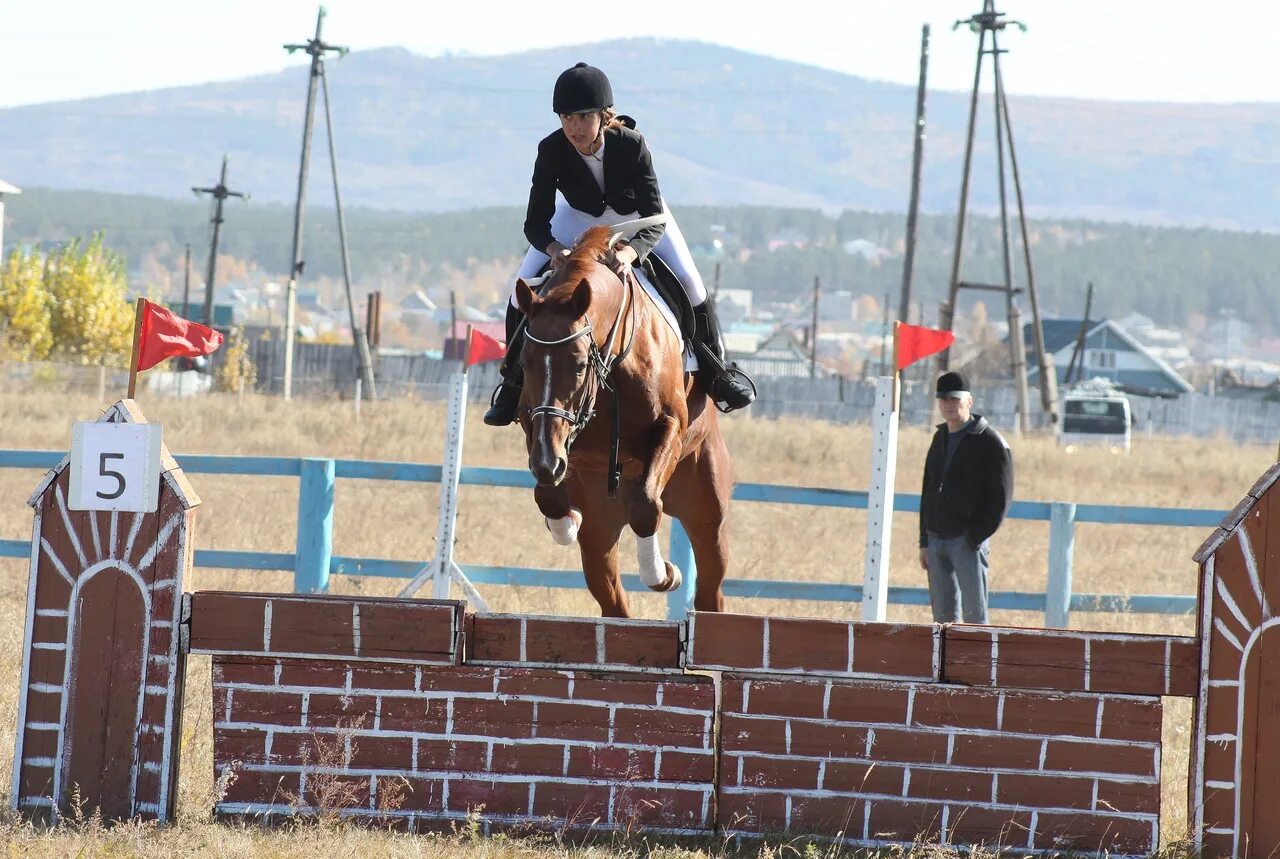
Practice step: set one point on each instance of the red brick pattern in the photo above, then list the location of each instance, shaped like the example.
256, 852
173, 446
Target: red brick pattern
881, 761
1070, 660
1232, 764
105, 593
574, 642
425, 744
421, 631
828, 648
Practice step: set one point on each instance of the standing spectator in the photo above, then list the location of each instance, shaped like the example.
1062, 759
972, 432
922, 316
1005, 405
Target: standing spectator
968, 485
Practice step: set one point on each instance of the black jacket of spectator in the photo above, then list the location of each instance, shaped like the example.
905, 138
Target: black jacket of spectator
972, 497
630, 185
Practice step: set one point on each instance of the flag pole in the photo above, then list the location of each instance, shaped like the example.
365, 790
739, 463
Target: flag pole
137, 345
466, 352
897, 373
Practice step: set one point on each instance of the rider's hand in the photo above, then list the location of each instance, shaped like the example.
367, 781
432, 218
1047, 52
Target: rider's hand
559, 254
624, 256
924, 559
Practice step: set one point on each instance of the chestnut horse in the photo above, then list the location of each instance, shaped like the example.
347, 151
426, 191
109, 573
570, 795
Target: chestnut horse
588, 336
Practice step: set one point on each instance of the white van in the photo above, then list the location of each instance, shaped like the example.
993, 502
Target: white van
1094, 414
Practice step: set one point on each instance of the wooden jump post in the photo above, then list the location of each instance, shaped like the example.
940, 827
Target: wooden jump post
100, 704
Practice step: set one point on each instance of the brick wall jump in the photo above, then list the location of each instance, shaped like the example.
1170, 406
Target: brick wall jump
428, 745
1033, 739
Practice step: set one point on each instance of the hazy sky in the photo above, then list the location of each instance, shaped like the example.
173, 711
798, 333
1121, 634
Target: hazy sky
1160, 50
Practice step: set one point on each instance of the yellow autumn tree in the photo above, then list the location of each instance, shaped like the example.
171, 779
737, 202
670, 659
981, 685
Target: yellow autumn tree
25, 333
90, 315
235, 370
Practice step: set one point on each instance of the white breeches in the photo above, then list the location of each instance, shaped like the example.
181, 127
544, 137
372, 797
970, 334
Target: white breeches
568, 223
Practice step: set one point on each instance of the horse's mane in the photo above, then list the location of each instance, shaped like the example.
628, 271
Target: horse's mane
591, 250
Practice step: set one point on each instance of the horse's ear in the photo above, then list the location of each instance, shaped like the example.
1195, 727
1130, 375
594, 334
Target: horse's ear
582, 298
526, 300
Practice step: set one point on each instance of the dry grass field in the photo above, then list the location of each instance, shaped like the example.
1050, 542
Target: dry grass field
502, 527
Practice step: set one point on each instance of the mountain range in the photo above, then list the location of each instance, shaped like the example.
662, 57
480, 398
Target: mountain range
726, 127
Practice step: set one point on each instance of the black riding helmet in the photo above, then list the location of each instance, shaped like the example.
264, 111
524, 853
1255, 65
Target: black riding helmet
581, 89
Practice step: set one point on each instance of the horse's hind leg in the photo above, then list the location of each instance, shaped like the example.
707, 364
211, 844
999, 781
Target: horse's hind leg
598, 544
699, 498
645, 506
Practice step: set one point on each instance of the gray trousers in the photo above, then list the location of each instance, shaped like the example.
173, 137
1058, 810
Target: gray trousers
957, 579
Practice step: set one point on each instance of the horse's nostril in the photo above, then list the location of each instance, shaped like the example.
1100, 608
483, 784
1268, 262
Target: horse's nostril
558, 468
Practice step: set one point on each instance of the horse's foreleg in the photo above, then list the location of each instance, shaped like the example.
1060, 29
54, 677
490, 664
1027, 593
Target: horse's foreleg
562, 518
645, 507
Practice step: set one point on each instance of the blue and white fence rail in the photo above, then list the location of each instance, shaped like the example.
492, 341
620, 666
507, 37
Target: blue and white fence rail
313, 560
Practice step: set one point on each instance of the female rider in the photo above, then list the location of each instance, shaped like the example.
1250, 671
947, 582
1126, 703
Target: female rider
603, 171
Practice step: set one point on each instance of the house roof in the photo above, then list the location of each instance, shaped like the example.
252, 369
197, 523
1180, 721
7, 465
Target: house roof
6, 188
417, 301
496, 330
1061, 333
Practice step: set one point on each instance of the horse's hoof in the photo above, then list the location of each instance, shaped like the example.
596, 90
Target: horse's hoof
564, 531
673, 580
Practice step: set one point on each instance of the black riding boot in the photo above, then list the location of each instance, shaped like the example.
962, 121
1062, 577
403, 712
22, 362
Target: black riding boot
505, 401
727, 385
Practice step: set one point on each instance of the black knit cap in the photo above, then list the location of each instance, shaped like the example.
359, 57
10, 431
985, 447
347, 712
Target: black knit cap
952, 383
580, 89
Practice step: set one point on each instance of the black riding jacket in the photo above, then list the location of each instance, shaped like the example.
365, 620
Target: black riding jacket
974, 494
629, 185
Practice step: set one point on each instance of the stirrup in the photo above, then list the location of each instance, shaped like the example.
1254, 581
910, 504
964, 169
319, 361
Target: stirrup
738, 384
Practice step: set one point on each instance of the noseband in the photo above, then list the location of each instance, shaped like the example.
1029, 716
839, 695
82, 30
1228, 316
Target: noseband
602, 363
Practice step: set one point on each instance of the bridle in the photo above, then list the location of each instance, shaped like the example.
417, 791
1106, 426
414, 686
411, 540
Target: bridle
602, 362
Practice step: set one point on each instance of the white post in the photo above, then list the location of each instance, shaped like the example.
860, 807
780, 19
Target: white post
357, 402
5, 189
442, 569
1062, 547
449, 479
884, 465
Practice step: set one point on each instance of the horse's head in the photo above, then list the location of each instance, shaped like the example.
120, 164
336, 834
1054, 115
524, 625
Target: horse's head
563, 363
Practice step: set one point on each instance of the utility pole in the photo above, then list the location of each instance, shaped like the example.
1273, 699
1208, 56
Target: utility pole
186, 284
1078, 353
813, 342
317, 48
373, 318
364, 361
220, 193
917, 159
989, 21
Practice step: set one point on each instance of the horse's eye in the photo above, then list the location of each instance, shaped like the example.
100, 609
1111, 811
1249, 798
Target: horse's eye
580, 368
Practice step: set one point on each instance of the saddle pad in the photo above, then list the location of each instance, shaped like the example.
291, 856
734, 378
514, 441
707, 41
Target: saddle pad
690, 360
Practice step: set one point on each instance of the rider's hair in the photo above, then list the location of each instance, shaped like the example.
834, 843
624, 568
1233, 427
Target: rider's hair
609, 119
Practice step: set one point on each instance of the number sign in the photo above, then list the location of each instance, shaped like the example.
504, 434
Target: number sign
115, 467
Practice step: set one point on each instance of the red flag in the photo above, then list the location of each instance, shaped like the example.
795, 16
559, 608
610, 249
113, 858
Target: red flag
164, 334
482, 347
915, 342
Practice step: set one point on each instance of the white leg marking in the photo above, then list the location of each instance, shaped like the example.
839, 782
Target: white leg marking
653, 570
565, 531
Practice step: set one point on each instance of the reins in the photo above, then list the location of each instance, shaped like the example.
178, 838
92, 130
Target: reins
603, 362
